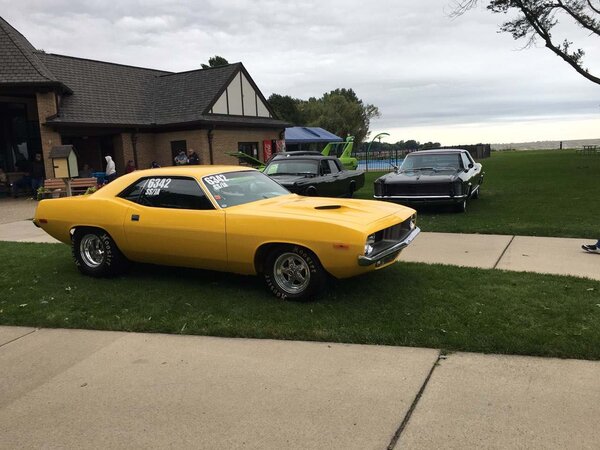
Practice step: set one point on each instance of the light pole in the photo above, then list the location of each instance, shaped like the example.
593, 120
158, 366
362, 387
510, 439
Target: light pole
369, 148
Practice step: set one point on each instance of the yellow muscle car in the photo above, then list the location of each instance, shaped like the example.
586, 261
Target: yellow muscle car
228, 219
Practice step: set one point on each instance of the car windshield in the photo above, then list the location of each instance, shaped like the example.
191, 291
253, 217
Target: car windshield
431, 161
293, 167
237, 188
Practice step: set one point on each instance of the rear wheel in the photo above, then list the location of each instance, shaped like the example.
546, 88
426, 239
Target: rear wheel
294, 273
96, 254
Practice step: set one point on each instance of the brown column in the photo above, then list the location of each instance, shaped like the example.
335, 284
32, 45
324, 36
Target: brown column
46, 106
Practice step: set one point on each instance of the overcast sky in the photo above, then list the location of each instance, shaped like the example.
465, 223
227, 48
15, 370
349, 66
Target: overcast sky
454, 81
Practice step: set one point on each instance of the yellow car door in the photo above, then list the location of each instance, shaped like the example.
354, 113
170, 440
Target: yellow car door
171, 221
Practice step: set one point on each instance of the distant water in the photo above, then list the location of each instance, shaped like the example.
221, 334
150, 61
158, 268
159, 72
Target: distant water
543, 145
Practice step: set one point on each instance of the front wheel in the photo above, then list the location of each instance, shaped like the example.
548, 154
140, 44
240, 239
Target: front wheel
352, 189
294, 273
96, 254
461, 207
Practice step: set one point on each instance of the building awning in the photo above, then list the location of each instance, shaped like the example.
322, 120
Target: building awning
307, 135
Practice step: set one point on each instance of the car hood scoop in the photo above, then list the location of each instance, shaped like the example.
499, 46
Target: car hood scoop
359, 212
328, 207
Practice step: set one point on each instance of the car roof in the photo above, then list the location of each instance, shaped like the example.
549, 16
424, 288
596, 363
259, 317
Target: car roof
440, 151
194, 171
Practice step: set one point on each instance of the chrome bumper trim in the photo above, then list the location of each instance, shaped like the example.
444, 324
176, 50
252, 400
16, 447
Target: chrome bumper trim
364, 260
421, 197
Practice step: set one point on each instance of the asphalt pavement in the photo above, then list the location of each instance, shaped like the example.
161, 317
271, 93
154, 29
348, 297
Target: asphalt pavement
75, 389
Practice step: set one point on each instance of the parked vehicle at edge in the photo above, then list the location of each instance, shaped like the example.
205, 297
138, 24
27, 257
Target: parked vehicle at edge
228, 219
312, 174
343, 151
436, 177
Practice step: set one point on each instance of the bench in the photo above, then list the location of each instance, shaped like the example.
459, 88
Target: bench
81, 185
57, 186
589, 150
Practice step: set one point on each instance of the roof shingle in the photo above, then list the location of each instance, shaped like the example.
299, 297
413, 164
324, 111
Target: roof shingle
20, 62
103, 93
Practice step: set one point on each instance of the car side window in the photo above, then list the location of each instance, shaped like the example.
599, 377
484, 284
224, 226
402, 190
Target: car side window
465, 161
168, 192
325, 170
333, 167
132, 193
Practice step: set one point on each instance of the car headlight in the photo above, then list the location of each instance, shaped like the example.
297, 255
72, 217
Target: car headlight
369, 244
413, 221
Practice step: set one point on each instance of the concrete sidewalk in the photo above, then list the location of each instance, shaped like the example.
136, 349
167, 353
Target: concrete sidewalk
92, 389
560, 256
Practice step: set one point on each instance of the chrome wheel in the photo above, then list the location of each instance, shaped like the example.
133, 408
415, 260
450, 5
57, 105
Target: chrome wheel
91, 249
291, 273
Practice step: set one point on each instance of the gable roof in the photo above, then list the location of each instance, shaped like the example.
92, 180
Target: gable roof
185, 96
107, 94
20, 62
104, 93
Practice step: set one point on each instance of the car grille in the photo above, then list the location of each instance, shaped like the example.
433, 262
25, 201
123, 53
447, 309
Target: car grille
417, 189
389, 236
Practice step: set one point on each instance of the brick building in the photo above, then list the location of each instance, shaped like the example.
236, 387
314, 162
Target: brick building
130, 113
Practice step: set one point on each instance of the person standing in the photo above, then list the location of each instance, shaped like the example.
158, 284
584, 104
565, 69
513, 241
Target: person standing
592, 248
181, 159
111, 171
193, 158
130, 167
37, 173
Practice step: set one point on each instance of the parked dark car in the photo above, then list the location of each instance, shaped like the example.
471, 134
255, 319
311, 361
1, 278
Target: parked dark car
310, 173
442, 176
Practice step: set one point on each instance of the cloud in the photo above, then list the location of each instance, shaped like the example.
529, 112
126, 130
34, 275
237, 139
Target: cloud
421, 67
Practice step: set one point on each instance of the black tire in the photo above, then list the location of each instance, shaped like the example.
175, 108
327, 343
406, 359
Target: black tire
294, 273
352, 189
96, 254
461, 207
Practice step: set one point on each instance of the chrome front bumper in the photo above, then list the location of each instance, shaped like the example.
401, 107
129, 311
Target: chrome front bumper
420, 197
377, 258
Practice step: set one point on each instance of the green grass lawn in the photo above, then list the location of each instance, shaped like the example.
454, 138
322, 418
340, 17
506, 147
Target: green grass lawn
407, 304
533, 193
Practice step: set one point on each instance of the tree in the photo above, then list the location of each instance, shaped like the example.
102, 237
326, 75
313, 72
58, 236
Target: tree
215, 61
339, 111
287, 108
536, 20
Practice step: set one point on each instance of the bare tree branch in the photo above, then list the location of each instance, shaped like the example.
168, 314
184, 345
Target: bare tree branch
584, 20
537, 18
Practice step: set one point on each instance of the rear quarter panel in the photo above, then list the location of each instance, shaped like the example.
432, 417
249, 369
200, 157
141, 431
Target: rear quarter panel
64, 214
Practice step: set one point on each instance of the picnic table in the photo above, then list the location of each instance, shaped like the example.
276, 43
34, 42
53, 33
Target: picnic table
589, 150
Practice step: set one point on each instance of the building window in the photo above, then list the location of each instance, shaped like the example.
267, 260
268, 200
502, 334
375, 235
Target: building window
176, 148
249, 148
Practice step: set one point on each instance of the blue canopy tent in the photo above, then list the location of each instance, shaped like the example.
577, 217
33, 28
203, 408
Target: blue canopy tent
308, 138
